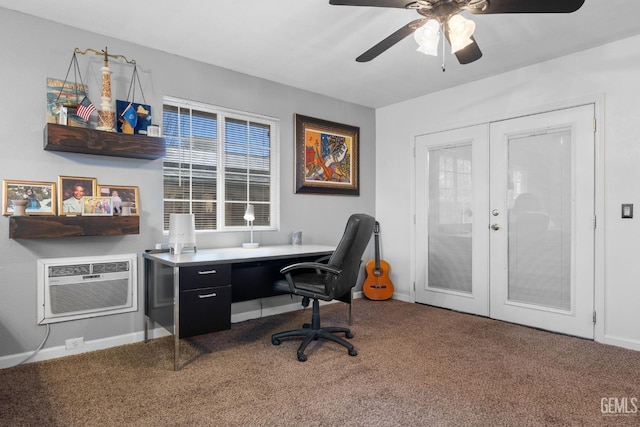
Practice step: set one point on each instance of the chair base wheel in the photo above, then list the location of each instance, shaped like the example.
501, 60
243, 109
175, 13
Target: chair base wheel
311, 332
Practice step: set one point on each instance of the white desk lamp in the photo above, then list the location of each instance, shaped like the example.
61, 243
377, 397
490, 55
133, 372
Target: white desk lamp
249, 215
182, 232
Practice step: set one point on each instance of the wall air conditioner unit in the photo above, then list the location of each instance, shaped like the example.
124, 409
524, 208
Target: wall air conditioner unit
82, 287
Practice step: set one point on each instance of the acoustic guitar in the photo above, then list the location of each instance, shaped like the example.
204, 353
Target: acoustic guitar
377, 285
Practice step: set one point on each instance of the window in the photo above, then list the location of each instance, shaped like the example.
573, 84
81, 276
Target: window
217, 161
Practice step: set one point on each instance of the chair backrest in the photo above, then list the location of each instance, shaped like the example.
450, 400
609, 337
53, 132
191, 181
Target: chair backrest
348, 253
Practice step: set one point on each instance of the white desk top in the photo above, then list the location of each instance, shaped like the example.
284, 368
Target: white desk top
238, 254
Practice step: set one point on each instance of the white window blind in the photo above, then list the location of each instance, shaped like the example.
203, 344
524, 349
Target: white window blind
217, 161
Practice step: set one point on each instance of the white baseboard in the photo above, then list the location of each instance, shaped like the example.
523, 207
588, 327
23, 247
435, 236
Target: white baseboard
61, 351
622, 342
266, 307
403, 297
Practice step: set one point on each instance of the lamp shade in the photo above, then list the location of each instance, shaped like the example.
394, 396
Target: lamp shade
427, 37
182, 232
249, 214
460, 32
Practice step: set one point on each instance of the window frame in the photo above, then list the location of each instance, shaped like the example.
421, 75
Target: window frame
222, 114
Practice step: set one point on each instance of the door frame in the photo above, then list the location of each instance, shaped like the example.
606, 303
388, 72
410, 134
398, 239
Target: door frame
597, 100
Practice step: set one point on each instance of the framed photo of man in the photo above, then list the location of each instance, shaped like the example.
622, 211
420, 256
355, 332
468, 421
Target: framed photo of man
71, 190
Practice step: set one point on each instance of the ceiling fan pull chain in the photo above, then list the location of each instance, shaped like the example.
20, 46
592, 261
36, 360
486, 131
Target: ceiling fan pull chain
443, 47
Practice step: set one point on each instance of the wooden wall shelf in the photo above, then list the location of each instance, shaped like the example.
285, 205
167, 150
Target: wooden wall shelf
37, 227
90, 141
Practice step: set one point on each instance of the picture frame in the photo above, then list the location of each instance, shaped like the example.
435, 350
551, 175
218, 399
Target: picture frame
69, 198
97, 206
326, 157
126, 193
62, 99
41, 195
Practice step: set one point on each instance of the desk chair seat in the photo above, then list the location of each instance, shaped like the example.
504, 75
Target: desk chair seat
334, 280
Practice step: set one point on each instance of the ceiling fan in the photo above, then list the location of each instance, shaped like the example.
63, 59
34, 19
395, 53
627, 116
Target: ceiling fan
443, 17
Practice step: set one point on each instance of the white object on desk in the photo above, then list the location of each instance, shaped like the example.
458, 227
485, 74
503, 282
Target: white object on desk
182, 232
296, 237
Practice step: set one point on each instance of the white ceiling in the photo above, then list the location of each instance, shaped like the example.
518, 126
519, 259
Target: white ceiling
312, 45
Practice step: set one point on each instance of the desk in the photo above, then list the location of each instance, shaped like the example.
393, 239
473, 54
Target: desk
191, 293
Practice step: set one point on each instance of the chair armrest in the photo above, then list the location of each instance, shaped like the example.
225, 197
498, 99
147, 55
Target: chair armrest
323, 259
311, 265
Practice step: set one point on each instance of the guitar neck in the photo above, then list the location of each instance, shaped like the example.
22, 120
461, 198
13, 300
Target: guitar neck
377, 247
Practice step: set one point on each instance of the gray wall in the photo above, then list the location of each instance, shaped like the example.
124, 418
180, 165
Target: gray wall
34, 50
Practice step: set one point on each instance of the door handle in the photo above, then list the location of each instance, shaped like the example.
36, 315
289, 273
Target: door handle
495, 227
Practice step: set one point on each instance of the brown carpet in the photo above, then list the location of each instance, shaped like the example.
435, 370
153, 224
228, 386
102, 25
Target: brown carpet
417, 366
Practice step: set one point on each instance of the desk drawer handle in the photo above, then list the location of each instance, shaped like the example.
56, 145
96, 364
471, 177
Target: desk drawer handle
207, 296
207, 272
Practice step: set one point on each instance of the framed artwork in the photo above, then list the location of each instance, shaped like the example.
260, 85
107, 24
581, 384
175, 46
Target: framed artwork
326, 157
119, 194
71, 190
61, 93
40, 196
97, 206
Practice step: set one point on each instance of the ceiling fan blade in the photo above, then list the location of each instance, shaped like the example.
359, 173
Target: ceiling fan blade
469, 53
400, 4
391, 40
530, 6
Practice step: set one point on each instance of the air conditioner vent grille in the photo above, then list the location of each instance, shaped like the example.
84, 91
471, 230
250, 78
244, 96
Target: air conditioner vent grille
76, 297
69, 270
110, 267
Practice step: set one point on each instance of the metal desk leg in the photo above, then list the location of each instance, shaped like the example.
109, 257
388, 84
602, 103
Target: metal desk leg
176, 318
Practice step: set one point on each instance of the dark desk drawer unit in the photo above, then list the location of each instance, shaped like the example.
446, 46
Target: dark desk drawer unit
205, 299
205, 310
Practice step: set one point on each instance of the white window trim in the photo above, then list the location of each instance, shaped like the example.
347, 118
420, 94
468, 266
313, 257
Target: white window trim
274, 195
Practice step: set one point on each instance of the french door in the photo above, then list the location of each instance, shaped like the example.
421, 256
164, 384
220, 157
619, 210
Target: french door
452, 247
505, 220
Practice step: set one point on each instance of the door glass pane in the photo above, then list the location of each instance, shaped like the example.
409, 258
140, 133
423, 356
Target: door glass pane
450, 218
539, 198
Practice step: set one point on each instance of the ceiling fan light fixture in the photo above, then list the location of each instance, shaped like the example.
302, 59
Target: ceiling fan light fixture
428, 37
460, 31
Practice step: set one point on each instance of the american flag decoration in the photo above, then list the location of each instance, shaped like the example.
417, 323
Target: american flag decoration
85, 108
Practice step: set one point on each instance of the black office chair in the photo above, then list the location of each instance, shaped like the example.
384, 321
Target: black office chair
333, 280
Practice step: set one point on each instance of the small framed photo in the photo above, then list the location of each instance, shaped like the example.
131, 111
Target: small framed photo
97, 206
120, 194
153, 130
71, 191
40, 196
